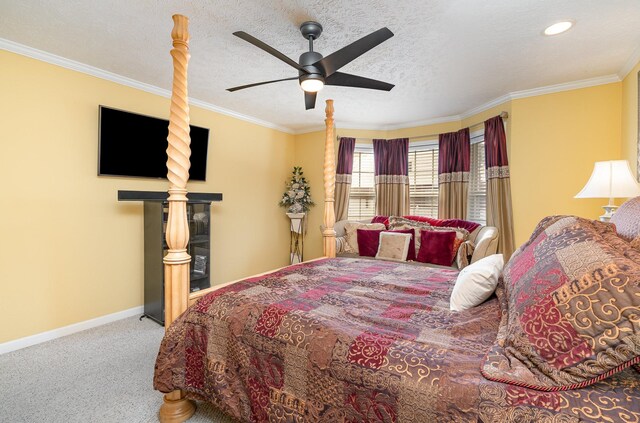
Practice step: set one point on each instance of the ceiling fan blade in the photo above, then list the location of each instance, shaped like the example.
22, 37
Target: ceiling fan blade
242, 87
310, 100
272, 51
348, 80
338, 59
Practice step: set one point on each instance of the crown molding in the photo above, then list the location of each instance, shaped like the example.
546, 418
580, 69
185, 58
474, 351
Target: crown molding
631, 62
246, 118
119, 79
123, 80
486, 106
404, 125
424, 122
549, 89
311, 129
567, 86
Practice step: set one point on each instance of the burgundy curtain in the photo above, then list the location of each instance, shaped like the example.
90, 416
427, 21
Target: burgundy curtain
454, 163
391, 165
499, 211
343, 176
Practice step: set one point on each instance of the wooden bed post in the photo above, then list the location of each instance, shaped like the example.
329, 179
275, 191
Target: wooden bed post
176, 408
329, 234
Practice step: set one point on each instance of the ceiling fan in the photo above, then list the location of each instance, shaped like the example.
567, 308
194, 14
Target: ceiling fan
316, 71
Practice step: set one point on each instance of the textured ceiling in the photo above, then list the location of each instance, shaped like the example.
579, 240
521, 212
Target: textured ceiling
447, 56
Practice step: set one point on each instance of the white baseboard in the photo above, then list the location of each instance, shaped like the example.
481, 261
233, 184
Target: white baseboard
68, 330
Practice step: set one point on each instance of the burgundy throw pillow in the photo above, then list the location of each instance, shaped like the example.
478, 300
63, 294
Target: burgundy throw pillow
411, 255
368, 241
436, 247
425, 219
381, 219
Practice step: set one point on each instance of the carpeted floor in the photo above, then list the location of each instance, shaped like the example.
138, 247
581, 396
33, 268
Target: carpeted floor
103, 374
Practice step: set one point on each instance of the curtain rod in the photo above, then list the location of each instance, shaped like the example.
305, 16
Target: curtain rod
503, 115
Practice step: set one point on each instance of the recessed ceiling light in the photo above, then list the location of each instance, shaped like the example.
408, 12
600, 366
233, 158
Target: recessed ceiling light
558, 28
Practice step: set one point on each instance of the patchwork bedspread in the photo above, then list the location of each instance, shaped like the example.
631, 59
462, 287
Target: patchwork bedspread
349, 340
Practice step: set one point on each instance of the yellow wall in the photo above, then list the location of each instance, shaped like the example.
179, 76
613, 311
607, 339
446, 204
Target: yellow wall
70, 251
310, 155
553, 141
630, 117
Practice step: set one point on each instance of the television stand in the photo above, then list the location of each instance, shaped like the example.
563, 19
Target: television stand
156, 209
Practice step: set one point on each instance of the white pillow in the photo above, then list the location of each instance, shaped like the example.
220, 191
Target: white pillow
476, 282
393, 246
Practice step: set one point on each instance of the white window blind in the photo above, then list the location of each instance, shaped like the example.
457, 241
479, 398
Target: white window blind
477, 207
423, 180
362, 198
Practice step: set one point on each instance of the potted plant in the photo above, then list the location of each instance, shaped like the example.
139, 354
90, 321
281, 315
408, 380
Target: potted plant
297, 197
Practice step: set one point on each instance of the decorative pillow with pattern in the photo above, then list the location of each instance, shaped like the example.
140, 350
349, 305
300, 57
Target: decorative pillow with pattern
400, 223
465, 252
627, 219
341, 244
351, 234
573, 308
393, 246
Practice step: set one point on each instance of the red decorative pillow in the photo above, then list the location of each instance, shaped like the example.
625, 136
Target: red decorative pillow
381, 219
436, 247
368, 240
571, 308
446, 223
429, 220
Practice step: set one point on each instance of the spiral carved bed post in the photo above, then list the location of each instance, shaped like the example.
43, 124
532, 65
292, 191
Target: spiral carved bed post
176, 408
329, 234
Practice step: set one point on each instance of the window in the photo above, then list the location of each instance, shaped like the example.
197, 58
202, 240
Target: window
423, 179
477, 206
362, 199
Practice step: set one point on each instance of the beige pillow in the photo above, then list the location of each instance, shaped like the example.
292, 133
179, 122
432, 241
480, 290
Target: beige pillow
393, 246
476, 282
351, 234
465, 252
341, 242
399, 223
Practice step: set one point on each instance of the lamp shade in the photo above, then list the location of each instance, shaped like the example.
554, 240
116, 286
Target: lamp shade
611, 179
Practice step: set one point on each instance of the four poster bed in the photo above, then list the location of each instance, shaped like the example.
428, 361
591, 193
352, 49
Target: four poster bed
354, 340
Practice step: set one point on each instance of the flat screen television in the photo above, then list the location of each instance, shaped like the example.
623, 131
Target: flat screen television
135, 145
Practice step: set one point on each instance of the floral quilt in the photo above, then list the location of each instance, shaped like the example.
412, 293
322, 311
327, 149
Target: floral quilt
352, 340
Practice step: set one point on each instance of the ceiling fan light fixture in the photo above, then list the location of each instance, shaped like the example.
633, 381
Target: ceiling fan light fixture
311, 83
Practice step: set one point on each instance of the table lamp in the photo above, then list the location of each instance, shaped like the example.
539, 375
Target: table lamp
611, 179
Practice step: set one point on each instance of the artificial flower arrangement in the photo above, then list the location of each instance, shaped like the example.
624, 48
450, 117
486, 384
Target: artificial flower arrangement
297, 197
